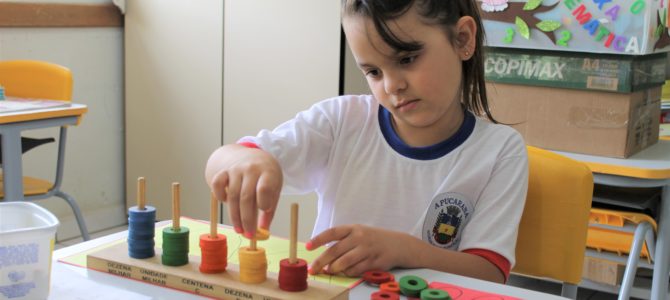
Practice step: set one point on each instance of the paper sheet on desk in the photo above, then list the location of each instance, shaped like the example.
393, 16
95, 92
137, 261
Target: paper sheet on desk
276, 249
20, 104
71, 285
461, 293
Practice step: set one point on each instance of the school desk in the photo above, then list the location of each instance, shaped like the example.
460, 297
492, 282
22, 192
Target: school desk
11, 126
72, 282
648, 168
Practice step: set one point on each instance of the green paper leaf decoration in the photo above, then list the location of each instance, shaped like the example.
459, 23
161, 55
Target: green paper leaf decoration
664, 15
658, 31
548, 26
532, 4
522, 28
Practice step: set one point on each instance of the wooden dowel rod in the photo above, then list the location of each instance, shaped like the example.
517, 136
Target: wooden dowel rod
141, 188
175, 206
252, 244
293, 258
213, 217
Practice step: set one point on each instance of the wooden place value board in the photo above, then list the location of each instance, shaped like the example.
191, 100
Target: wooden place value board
115, 260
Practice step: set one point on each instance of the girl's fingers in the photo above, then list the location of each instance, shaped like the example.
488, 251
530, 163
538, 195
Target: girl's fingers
349, 263
332, 253
267, 192
266, 218
233, 199
329, 235
248, 207
220, 185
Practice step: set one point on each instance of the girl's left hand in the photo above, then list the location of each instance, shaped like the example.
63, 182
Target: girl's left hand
358, 249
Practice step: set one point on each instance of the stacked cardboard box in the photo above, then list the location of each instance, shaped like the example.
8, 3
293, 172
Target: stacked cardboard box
582, 121
603, 271
605, 72
665, 110
578, 76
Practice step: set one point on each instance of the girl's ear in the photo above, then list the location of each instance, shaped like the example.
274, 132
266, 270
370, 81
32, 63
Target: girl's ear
466, 37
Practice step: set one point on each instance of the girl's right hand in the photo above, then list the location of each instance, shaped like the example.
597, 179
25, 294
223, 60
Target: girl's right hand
248, 180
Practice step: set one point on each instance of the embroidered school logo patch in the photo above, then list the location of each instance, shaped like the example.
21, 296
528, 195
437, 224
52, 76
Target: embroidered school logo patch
445, 219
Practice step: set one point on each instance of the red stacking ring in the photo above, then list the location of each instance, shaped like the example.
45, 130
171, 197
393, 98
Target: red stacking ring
214, 253
377, 277
382, 295
293, 277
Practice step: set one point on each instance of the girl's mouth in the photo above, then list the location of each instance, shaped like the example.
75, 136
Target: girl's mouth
404, 106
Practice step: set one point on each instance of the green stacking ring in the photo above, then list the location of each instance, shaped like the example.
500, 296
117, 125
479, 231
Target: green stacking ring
175, 246
175, 253
174, 260
434, 294
170, 232
412, 286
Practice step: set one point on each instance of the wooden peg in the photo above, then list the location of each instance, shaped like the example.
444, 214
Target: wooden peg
293, 252
175, 206
293, 270
141, 188
213, 217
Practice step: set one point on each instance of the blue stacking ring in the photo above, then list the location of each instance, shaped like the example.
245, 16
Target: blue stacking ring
141, 230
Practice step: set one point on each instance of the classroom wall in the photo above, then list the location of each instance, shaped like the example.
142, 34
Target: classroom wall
301, 69
94, 153
354, 81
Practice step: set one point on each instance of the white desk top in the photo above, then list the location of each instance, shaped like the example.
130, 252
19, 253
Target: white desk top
71, 282
650, 163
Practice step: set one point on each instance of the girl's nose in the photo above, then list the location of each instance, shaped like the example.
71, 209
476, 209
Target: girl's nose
394, 83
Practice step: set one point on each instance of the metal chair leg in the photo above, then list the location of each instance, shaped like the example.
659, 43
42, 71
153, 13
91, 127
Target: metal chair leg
633, 259
569, 290
77, 213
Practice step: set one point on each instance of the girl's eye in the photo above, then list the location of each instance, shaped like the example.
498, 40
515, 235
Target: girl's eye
372, 73
407, 60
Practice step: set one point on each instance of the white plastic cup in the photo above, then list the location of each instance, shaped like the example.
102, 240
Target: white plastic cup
27, 236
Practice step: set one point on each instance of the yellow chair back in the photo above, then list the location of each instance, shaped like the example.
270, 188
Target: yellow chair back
552, 233
35, 79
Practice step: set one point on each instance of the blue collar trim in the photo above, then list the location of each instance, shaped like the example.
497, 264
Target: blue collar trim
429, 152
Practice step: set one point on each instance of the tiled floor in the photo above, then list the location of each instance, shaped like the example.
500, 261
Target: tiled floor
528, 283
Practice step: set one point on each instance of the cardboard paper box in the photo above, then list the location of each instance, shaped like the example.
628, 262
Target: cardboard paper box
575, 70
630, 27
580, 121
603, 271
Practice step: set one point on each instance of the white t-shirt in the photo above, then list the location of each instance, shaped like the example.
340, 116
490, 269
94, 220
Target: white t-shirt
466, 192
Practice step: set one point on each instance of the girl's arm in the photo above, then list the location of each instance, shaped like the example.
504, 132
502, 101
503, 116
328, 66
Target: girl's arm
424, 255
360, 248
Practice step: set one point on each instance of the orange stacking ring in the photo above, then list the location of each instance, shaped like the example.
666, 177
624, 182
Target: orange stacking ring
253, 265
293, 277
390, 286
214, 253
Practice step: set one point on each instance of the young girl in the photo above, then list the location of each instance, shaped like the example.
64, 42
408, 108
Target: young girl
411, 176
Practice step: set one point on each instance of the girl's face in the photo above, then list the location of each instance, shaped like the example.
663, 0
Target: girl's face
421, 89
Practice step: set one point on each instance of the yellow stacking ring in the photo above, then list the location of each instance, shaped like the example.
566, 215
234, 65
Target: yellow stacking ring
253, 265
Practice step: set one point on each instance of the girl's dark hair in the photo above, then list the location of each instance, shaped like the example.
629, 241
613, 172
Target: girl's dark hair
441, 12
